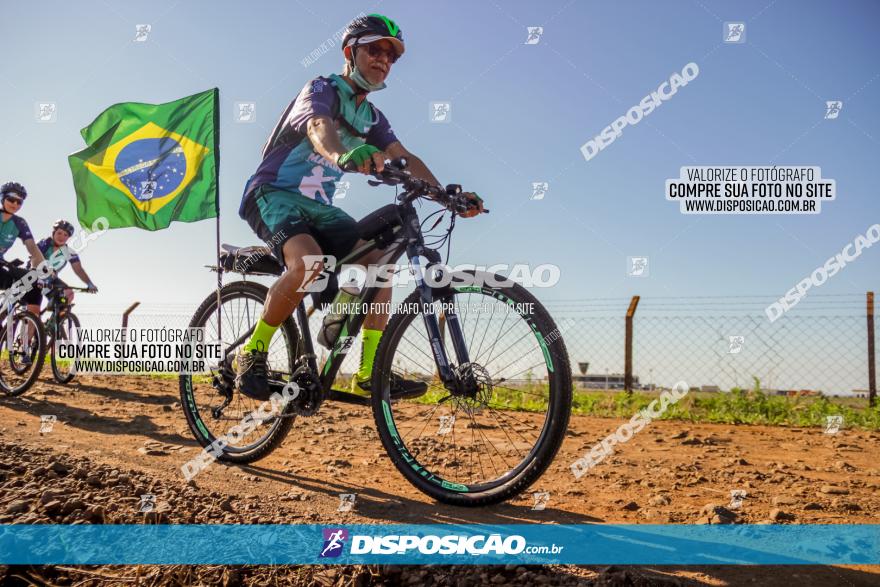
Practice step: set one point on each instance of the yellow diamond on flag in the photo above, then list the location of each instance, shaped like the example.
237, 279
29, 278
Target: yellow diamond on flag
151, 166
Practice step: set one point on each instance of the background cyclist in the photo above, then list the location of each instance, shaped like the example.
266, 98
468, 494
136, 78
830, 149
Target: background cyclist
13, 226
289, 198
56, 251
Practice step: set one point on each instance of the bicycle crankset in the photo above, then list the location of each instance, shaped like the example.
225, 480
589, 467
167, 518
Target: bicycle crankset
224, 382
310, 393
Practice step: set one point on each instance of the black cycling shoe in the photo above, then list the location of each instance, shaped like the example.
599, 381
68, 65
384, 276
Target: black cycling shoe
400, 388
252, 377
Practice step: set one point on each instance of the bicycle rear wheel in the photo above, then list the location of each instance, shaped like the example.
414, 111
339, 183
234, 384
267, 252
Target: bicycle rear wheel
22, 352
491, 443
64, 331
214, 413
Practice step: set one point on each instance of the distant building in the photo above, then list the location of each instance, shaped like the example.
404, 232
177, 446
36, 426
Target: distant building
600, 381
710, 388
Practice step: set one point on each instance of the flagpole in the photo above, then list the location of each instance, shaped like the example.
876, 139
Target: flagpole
217, 202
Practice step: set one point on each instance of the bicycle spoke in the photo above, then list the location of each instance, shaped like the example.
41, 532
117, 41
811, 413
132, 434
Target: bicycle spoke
489, 360
496, 414
497, 340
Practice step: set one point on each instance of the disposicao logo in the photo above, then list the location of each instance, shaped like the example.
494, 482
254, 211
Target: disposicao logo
443, 545
431, 544
334, 541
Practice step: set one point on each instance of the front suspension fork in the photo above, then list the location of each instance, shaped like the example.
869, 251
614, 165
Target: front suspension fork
435, 337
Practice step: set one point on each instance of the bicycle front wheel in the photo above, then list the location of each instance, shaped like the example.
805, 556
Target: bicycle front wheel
22, 352
64, 331
497, 433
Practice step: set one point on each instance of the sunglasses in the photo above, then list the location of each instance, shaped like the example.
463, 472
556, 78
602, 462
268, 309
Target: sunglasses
375, 52
14, 200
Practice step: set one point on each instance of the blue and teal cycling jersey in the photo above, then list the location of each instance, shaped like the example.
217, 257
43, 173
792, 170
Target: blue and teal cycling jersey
57, 256
11, 229
290, 162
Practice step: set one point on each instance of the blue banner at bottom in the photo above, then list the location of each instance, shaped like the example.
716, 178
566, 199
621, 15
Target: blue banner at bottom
840, 544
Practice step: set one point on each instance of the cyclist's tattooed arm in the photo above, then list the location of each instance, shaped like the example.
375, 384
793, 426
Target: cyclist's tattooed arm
414, 165
325, 139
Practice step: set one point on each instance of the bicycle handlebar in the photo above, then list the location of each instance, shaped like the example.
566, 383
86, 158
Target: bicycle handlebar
395, 173
59, 287
19, 263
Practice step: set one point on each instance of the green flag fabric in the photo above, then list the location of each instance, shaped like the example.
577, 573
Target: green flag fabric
148, 165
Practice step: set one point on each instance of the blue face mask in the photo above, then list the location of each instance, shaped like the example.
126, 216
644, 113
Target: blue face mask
358, 78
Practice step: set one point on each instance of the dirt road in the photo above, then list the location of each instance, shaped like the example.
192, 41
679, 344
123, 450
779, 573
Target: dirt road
122, 437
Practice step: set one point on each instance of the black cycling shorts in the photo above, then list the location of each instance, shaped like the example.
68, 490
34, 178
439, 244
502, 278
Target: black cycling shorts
9, 275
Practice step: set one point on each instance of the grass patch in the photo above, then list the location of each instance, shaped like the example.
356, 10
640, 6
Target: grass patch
738, 406
735, 407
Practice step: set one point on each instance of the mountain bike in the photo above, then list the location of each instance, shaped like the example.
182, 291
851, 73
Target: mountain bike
22, 345
60, 326
497, 371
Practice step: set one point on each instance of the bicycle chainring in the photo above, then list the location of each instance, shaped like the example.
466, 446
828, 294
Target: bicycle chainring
310, 393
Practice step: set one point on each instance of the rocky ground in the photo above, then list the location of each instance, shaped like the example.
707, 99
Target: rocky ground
115, 440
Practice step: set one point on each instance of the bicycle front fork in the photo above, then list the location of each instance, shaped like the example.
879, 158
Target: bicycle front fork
435, 337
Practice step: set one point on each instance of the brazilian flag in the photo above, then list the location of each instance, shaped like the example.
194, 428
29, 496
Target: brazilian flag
148, 165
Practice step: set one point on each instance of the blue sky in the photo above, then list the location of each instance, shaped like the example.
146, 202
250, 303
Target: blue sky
519, 114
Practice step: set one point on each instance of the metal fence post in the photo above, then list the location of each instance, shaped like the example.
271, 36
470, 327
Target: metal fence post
628, 344
125, 320
872, 373
127, 312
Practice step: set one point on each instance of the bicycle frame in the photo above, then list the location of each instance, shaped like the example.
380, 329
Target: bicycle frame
408, 240
7, 320
55, 308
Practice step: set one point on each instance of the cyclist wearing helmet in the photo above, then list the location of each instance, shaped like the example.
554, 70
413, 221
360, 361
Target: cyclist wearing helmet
289, 199
56, 251
12, 226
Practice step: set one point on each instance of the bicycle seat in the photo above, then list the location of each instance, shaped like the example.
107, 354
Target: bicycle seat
249, 260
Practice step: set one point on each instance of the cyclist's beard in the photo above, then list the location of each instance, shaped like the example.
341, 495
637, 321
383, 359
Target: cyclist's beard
360, 81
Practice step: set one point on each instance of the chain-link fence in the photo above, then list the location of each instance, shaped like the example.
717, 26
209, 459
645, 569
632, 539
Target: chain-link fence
712, 343
718, 343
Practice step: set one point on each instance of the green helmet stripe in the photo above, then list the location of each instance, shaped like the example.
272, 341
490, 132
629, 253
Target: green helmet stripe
393, 29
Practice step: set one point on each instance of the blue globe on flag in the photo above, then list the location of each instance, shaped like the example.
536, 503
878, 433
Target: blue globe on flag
151, 168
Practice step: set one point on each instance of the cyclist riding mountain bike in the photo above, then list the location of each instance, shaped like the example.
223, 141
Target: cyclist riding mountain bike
56, 251
12, 227
329, 126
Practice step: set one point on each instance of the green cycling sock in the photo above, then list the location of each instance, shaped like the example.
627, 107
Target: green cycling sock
368, 352
262, 336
